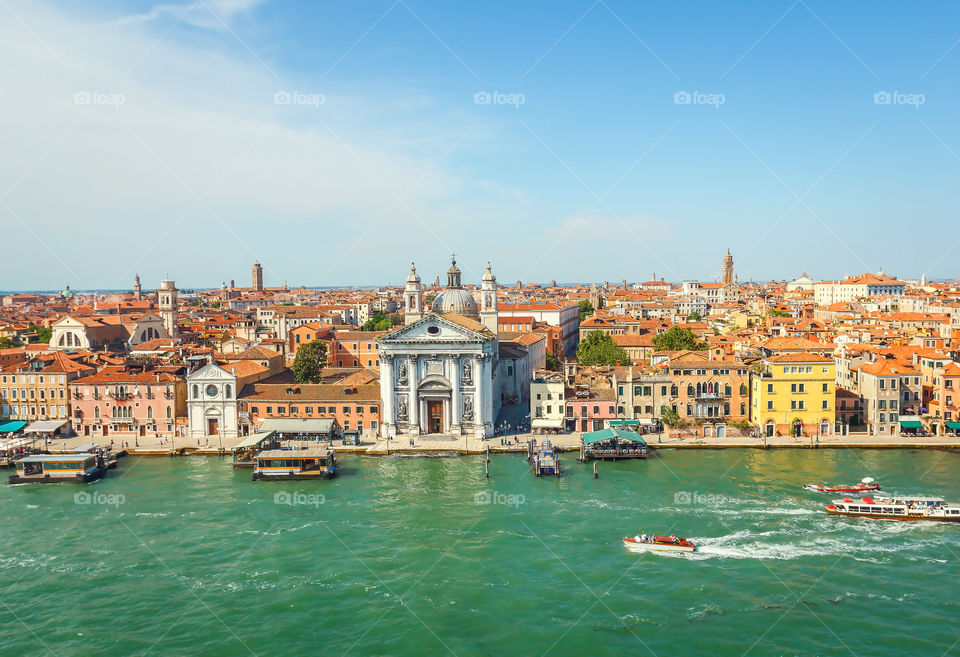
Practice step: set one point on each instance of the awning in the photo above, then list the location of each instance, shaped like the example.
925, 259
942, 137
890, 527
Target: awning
909, 424
953, 426
610, 433
45, 426
254, 439
11, 425
624, 423
546, 423
296, 425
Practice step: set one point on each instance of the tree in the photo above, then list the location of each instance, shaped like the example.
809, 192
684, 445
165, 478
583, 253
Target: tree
380, 322
670, 417
676, 339
779, 313
216, 304
7, 343
309, 362
43, 333
598, 348
586, 309
553, 363
694, 317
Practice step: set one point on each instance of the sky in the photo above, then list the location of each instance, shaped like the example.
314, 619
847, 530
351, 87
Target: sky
577, 141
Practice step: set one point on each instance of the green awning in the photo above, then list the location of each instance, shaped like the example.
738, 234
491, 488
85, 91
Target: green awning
610, 433
11, 425
910, 424
624, 423
953, 426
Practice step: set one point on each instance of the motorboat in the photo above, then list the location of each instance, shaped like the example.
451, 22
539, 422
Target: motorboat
654, 543
866, 484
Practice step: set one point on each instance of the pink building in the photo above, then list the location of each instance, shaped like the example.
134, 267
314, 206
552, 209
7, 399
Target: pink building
117, 402
588, 409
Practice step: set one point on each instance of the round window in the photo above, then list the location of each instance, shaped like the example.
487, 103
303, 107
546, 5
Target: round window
211, 390
433, 330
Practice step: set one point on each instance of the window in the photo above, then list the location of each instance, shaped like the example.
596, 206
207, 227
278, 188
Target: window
269, 410
228, 391
169, 412
826, 404
293, 410
793, 404
254, 410
359, 410
281, 410
770, 388
596, 410
373, 410
825, 387
149, 412
196, 391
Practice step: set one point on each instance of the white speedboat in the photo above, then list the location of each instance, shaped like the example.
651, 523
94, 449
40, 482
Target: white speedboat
658, 544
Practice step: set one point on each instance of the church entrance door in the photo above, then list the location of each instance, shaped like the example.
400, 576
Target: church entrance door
435, 416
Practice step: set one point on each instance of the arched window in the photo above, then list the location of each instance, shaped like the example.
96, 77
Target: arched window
169, 412
743, 408
690, 389
143, 336
727, 390
228, 391
196, 391
673, 391
63, 340
726, 408
149, 412
743, 388
96, 412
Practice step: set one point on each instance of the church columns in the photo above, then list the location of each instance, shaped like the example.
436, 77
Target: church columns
455, 413
413, 404
388, 419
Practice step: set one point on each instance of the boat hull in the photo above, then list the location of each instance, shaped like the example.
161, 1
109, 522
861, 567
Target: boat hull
295, 476
637, 546
84, 478
899, 518
839, 489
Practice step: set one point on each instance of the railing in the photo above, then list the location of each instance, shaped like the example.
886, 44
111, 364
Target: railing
716, 394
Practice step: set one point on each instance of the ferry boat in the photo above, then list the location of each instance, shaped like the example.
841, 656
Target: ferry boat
866, 484
644, 543
283, 464
56, 468
897, 508
544, 459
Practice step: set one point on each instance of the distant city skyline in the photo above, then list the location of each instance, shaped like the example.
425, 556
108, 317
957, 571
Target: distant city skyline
333, 143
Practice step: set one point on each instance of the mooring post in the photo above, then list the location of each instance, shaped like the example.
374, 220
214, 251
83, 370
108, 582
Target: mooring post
596, 472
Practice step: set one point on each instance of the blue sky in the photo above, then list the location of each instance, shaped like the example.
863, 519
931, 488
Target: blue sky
150, 138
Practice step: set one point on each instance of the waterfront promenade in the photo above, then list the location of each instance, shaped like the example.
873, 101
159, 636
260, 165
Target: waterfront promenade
516, 443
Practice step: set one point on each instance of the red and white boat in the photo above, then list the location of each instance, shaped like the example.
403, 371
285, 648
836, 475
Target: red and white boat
897, 508
653, 543
866, 484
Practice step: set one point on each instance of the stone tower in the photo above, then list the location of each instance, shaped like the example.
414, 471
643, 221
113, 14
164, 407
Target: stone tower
257, 277
137, 290
412, 297
488, 300
594, 297
727, 269
167, 302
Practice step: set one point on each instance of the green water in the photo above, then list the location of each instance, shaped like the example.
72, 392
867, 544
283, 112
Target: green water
189, 557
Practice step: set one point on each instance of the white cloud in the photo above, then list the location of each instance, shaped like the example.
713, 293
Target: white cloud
102, 183
207, 14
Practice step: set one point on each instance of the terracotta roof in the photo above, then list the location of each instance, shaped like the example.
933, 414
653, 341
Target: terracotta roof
310, 392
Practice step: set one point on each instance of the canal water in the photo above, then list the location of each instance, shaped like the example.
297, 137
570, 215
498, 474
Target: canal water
424, 556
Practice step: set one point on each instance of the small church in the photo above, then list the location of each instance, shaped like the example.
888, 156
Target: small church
439, 371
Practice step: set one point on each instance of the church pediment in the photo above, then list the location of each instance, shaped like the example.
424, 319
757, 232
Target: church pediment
211, 372
433, 329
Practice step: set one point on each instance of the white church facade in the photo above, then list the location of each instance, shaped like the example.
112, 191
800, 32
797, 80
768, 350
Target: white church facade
438, 372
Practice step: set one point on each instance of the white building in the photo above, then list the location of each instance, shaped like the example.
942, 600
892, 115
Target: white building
437, 373
546, 401
857, 287
212, 402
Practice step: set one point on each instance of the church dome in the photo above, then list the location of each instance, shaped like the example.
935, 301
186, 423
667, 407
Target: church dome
456, 300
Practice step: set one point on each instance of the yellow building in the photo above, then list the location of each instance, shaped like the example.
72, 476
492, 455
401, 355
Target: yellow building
793, 393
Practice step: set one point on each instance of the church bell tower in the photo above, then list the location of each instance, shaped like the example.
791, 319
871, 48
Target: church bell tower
488, 300
412, 297
167, 304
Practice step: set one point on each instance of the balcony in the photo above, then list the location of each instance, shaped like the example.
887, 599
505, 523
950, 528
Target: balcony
716, 394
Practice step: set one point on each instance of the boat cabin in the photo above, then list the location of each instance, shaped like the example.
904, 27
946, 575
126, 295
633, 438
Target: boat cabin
926, 508
613, 443
282, 464
51, 468
543, 458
